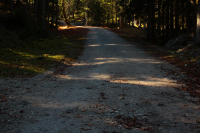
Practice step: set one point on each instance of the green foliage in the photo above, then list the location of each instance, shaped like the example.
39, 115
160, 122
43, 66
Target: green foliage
97, 13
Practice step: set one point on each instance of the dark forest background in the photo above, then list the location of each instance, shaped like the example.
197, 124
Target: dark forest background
163, 19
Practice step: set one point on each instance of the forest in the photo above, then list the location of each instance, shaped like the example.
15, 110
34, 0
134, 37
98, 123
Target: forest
163, 19
160, 20
99, 66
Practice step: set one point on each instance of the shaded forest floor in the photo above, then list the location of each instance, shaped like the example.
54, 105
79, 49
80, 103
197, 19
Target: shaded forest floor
187, 59
32, 56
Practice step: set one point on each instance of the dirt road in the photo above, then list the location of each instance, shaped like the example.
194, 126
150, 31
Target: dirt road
113, 87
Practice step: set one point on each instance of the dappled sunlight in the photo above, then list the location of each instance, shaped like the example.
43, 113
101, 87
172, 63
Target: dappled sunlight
150, 81
106, 59
111, 44
140, 60
136, 78
55, 57
98, 61
101, 61
4, 63
22, 66
99, 76
147, 81
23, 54
93, 76
94, 45
63, 27
69, 27
133, 60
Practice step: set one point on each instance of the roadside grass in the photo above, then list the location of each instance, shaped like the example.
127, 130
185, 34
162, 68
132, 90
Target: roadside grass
30, 57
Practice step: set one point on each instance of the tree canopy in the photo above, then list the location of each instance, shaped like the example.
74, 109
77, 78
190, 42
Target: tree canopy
162, 18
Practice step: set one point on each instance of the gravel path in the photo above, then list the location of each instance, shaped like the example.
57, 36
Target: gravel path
113, 88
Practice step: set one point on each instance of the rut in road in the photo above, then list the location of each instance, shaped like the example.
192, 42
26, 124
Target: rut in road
113, 87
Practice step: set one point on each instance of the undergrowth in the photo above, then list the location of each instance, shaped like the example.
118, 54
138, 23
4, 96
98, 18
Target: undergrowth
22, 58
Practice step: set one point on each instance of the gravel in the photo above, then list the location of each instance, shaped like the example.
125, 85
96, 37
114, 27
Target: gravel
113, 87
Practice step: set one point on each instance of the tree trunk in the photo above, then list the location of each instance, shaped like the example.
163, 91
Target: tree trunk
64, 11
177, 27
194, 18
135, 21
163, 21
116, 8
139, 21
151, 20
39, 11
197, 38
188, 23
167, 21
35, 13
171, 18
144, 21
120, 20
48, 14
29, 4
11, 6
132, 20
43, 15
52, 21
159, 18
57, 14
183, 16
86, 16
112, 13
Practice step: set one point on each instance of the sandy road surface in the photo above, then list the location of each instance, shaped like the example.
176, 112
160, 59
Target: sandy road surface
113, 87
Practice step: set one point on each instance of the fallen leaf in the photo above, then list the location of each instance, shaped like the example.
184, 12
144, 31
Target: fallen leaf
90, 125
